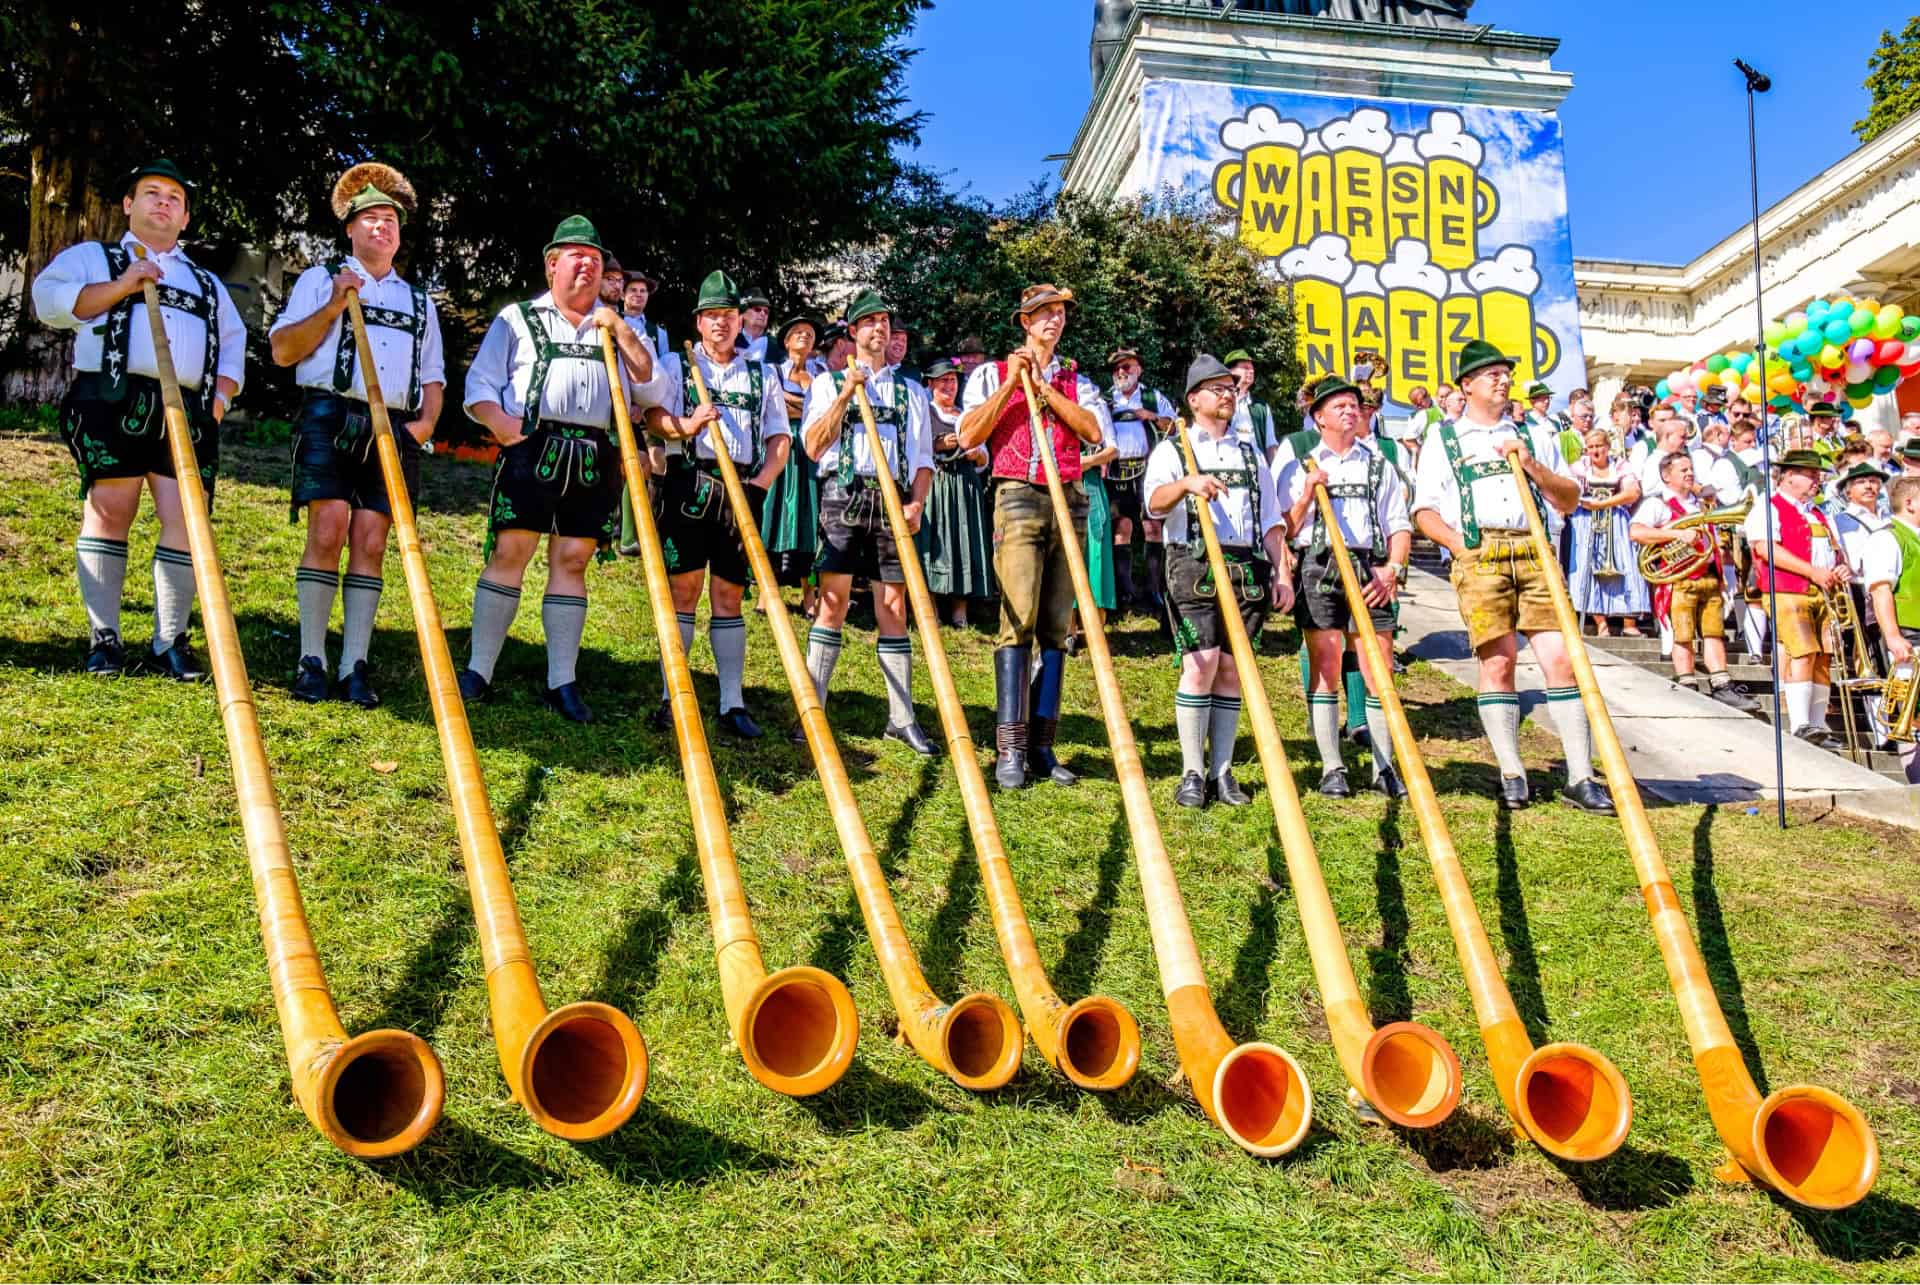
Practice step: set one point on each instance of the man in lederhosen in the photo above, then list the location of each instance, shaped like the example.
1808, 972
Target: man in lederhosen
539, 385
1029, 559
1140, 416
1370, 503
1466, 501
112, 418
336, 468
855, 536
696, 521
1234, 481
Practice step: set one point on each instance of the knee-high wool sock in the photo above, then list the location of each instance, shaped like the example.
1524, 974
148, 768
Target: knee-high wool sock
1323, 715
1798, 698
314, 589
896, 667
1377, 732
362, 602
1222, 728
1576, 737
172, 595
686, 621
1500, 716
102, 567
823, 654
1192, 712
563, 619
728, 637
494, 607
1821, 702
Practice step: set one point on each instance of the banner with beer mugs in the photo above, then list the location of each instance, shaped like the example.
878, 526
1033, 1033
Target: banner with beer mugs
1406, 228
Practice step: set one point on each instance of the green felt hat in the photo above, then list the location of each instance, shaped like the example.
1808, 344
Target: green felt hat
1823, 410
162, 168
1477, 355
717, 293
575, 229
1537, 389
1238, 354
1803, 459
1330, 387
1206, 366
370, 184
1861, 470
867, 303
1910, 449
940, 369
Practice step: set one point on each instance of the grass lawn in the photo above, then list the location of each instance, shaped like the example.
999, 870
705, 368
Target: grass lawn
146, 1125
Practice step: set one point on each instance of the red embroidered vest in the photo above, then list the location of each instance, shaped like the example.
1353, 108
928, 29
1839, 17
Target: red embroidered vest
1011, 442
1792, 532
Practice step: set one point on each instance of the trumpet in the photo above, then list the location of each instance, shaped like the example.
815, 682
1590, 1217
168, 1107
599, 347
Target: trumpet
1899, 695
1673, 560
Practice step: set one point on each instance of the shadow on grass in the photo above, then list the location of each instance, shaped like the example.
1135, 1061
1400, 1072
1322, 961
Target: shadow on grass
865, 1099
1632, 1178
946, 936
1467, 1139
1878, 1229
418, 1001
454, 1162
1523, 966
63, 655
657, 1147
1080, 955
633, 964
1717, 950
833, 946
1136, 1101
1242, 1003
1389, 999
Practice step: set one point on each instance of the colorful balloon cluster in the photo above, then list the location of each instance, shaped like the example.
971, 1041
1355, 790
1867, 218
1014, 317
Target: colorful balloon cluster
1846, 351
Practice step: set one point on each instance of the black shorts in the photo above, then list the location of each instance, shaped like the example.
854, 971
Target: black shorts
1319, 599
1123, 493
855, 537
563, 480
697, 529
1195, 606
128, 438
334, 456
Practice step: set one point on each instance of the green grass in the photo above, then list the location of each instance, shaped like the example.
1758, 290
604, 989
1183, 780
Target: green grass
146, 1126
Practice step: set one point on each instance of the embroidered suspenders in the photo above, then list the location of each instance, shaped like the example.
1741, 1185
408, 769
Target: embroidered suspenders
345, 354
1465, 475
748, 403
119, 327
889, 412
1248, 477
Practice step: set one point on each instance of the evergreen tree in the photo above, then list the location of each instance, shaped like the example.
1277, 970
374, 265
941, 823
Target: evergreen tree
1893, 78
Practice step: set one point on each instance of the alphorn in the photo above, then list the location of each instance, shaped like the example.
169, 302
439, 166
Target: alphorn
371, 1095
1094, 1042
796, 1028
581, 1069
1255, 1092
1568, 1098
975, 1040
1405, 1071
1807, 1143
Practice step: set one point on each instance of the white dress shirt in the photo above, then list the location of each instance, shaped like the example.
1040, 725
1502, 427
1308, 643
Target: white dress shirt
1713, 467
735, 425
392, 349
1755, 528
1853, 526
984, 382
885, 387
1131, 437
57, 289
576, 388
1358, 520
1232, 512
1881, 563
1496, 500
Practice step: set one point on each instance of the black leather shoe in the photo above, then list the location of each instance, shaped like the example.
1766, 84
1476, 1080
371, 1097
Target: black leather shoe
737, 722
1334, 784
1389, 784
914, 739
473, 688
1589, 796
1043, 719
1514, 793
177, 662
1360, 736
1228, 790
310, 680
1818, 737
1041, 760
565, 700
1733, 696
797, 735
106, 657
661, 720
1192, 792
357, 687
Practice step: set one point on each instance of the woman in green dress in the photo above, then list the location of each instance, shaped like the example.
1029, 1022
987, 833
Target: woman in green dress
790, 520
1099, 552
957, 536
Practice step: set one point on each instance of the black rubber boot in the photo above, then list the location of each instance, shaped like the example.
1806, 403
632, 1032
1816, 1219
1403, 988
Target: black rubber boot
1010, 666
1123, 590
1044, 719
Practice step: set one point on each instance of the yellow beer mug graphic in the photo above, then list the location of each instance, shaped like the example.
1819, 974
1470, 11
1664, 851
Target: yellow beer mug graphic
1262, 182
1415, 287
1459, 321
1367, 311
1320, 272
1406, 192
1506, 284
1459, 201
1358, 146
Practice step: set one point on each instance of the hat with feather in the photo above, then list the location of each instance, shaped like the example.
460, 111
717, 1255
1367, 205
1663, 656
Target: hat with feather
369, 184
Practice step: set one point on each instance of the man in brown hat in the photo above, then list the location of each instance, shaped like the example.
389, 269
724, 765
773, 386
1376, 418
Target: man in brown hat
1795, 557
1030, 561
1140, 416
336, 468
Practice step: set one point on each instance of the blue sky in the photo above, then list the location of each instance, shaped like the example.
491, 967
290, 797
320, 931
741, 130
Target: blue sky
1656, 100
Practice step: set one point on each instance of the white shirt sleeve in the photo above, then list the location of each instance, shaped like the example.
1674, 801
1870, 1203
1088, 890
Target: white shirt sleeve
1392, 517
1881, 562
1434, 486
1271, 513
310, 291
919, 430
233, 339
1162, 407
490, 376
433, 353
1289, 480
1652, 511
981, 384
773, 403
1755, 527
820, 395
1163, 466
58, 287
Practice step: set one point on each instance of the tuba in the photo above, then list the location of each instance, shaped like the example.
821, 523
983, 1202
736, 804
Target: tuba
1674, 560
1898, 697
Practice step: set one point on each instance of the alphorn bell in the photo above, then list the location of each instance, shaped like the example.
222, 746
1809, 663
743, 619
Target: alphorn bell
1569, 1099
373, 1095
1255, 1092
1094, 1042
1807, 1143
581, 1069
795, 1029
975, 1040
1404, 1070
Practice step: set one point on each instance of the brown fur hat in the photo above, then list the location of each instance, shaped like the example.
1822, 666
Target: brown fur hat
385, 178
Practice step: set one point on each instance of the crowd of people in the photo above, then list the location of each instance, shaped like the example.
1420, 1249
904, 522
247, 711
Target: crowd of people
963, 443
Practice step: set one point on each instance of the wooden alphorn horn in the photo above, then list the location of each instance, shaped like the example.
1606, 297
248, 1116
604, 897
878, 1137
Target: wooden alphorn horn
1094, 1042
1405, 1071
1569, 1099
373, 1095
975, 1039
796, 1028
1255, 1092
581, 1069
1807, 1143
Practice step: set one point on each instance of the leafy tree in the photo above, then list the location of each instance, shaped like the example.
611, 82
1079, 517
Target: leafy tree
1162, 276
1893, 78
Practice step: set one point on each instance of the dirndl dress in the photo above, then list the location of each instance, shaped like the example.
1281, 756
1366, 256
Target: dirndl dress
1606, 578
790, 522
1099, 538
956, 534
